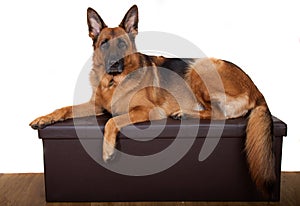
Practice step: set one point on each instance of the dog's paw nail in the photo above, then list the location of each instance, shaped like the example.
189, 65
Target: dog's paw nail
108, 157
33, 126
38, 126
178, 115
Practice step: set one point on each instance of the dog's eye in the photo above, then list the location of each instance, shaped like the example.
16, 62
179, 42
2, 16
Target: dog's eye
122, 45
104, 45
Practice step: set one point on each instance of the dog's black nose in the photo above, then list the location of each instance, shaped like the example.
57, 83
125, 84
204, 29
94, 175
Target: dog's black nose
114, 63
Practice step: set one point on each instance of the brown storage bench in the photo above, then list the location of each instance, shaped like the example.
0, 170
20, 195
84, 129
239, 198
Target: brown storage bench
73, 172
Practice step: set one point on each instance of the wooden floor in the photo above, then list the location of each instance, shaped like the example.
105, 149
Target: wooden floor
28, 189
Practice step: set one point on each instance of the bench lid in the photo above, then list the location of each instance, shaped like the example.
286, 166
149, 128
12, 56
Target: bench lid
93, 127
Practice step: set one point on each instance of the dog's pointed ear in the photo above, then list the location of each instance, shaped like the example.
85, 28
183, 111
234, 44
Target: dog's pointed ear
95, 23
130, 21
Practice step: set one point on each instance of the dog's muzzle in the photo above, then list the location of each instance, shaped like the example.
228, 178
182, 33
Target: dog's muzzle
114, 66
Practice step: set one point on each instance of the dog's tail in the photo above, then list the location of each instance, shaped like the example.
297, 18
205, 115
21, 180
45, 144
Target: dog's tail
259, 147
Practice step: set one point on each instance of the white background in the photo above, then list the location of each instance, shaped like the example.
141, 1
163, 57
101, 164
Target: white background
44, 45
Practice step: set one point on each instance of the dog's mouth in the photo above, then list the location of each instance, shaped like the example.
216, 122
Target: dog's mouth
115, 70
114, 73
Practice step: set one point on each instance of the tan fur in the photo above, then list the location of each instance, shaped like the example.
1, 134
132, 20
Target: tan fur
212, 89
234, 98
259, 148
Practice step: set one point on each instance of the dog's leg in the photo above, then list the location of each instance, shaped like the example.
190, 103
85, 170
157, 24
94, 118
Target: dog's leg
81, 110
185, 114
114, 125
233, 107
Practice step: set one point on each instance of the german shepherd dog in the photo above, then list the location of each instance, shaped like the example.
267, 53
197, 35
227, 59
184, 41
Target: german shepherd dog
118, 91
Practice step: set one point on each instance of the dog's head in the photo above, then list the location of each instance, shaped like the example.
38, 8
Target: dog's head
111, 45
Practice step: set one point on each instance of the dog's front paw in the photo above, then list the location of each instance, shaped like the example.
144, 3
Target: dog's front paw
108, 151
41, 122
